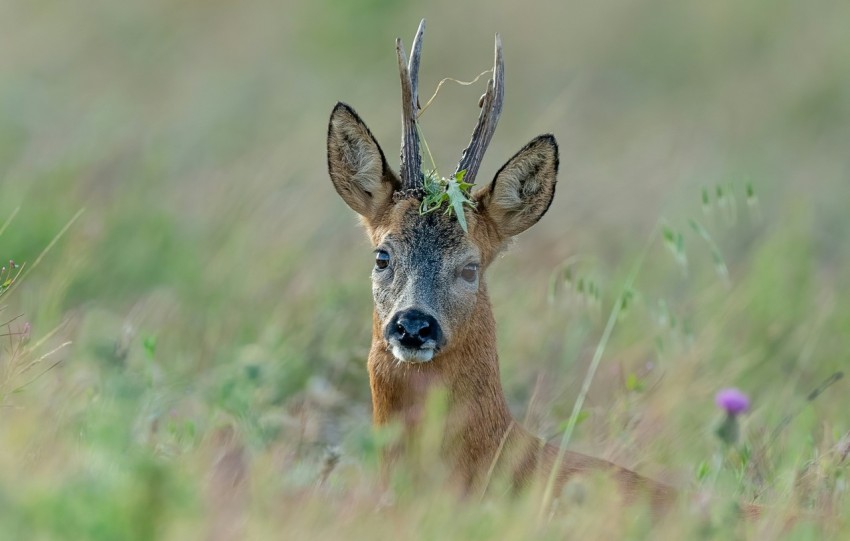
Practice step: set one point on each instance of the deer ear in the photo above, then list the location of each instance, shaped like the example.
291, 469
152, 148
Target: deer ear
357, 166
523, 188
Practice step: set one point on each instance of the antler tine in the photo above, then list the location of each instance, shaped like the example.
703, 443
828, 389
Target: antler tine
413, 65
491, 108
411, 160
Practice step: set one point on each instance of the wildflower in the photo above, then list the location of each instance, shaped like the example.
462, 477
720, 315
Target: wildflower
734, 402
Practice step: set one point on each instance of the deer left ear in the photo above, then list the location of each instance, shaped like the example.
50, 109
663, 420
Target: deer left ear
523, 188
357, 166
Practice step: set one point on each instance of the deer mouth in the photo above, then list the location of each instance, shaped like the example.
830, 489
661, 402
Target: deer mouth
406, 354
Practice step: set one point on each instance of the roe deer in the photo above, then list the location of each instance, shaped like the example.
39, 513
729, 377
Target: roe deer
432, 320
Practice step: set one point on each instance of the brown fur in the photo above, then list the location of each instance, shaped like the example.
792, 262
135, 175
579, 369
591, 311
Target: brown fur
480, 432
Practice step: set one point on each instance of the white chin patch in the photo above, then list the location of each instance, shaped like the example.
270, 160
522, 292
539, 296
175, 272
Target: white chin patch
409, 355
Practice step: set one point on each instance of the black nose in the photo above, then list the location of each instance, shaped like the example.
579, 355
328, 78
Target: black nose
412, 328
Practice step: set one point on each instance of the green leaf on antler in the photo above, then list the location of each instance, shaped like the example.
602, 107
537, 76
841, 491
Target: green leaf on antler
458, 193
454, 191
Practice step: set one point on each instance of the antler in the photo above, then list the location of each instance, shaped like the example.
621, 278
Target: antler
491, 108
411, 160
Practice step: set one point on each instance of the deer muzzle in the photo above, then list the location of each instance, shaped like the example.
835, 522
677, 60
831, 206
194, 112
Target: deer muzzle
413, 335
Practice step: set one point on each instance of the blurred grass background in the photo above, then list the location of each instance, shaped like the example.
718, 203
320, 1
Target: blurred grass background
216, 294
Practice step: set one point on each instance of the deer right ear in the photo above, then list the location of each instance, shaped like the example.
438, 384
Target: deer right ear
523, 188
357, 166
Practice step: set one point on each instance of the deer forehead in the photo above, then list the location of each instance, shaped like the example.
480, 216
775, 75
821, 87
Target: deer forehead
435, 236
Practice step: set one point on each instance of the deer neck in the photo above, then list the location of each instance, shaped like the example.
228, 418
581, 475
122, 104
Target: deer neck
478, 417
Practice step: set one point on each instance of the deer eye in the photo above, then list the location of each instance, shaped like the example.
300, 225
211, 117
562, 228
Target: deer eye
470, 272
382, 260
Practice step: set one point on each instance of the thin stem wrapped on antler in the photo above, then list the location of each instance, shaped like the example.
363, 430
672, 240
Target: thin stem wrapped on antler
411, 160
491, 108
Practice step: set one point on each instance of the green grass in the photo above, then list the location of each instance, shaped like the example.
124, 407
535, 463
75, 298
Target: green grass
197, 336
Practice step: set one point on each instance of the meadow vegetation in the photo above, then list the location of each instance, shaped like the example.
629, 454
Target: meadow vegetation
182, 354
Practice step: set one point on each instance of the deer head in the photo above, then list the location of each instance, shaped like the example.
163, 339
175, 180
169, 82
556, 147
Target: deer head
428, 277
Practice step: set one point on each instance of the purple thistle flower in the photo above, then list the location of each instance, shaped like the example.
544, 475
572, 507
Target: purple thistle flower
732, 401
